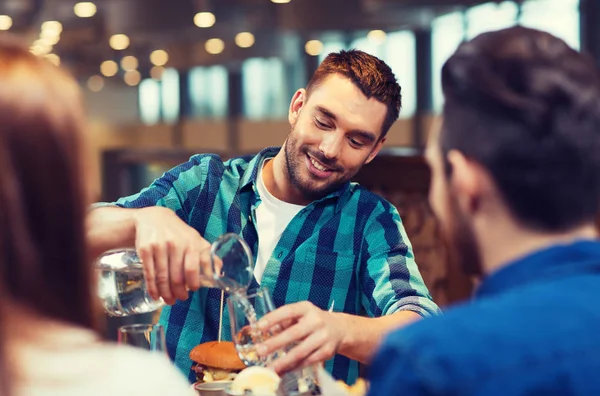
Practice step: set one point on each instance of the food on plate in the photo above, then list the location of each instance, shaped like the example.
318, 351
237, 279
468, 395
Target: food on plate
259, 380
216, 361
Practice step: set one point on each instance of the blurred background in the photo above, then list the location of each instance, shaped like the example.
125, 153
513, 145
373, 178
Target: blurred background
218, 75
164, 79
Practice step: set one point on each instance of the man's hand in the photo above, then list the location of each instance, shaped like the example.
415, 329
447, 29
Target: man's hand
316, 334
174, 254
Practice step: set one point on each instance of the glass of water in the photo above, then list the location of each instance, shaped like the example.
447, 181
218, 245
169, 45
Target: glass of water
122, 286
150, 337
244, 313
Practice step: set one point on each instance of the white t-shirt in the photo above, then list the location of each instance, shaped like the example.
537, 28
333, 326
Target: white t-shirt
75, 363
272, 218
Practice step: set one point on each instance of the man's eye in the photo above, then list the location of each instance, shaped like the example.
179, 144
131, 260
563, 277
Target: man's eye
356, 143
320, 124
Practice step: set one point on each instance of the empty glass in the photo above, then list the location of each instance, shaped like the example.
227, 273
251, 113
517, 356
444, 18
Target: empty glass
150, 337
122, 287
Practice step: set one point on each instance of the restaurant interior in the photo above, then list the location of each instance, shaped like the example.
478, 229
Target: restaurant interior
163, 80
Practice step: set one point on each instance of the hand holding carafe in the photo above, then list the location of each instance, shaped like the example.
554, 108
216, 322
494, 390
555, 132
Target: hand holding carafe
122, 275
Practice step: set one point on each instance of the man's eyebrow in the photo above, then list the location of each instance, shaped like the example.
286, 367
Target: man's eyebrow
326, 112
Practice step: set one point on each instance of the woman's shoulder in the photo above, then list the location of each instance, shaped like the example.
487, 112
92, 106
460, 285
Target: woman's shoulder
136, 370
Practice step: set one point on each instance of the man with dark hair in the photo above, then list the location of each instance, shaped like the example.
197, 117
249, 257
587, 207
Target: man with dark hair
319, 241
516, 187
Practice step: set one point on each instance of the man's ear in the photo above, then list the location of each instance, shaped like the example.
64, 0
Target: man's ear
466, 180
375, 150
298, 101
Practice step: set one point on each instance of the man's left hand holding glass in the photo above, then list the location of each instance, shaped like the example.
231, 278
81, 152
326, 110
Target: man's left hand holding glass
318, 335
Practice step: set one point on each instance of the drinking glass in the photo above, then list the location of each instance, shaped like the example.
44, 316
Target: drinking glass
122, 286
244, 313
150, 337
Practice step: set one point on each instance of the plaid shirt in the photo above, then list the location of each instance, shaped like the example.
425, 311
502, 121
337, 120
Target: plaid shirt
349, 248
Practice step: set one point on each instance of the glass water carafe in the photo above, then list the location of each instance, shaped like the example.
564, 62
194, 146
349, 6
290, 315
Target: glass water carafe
122, 287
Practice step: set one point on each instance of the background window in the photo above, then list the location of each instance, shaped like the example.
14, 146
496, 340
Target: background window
208, 91
489, 17
399, 52
170, 95
264, 89
447, 32
558, 17
149, 101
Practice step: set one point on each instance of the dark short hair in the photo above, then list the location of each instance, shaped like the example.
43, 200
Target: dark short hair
526, 106
370, 74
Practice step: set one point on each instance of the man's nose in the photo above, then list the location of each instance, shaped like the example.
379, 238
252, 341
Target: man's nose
331, 145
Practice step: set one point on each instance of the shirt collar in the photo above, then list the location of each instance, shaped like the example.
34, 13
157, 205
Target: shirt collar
556, 262
252, 172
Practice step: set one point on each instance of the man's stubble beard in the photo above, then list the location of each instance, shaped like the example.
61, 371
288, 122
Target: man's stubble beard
461, 241
294, 161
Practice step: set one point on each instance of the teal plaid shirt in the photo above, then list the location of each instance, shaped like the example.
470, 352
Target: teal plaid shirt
349, 248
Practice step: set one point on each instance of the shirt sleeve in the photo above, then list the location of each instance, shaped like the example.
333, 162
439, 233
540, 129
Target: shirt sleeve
391, 281
177, 189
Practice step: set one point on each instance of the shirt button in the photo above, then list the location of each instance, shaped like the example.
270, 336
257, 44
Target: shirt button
280, 254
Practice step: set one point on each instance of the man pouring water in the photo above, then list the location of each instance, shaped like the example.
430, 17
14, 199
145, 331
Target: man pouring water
319, 241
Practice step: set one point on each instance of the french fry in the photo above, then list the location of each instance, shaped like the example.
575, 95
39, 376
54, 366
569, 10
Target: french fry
358, 389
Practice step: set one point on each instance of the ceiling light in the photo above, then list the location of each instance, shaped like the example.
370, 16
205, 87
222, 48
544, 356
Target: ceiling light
132, 78
53, 58
377, 36
157, 72
280, 1
244, 39
109, 68
214, 46
129, 63
313, 47
119, 42
95, 83
5, 22
52, 27
159, 57
85, 9
204, 19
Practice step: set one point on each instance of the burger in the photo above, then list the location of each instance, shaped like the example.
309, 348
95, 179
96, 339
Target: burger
216, 361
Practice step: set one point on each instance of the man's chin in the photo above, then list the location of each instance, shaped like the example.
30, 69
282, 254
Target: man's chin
312, 192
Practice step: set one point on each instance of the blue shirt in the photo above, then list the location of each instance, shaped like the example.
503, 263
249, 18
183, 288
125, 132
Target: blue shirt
534, 329
348, 247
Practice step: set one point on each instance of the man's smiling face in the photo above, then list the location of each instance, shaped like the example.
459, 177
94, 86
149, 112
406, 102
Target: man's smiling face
335, 131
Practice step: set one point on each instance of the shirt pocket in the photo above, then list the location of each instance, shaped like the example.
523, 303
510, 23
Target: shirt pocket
331, 276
